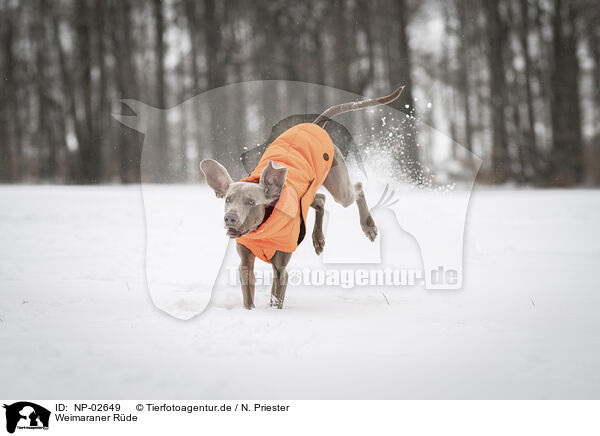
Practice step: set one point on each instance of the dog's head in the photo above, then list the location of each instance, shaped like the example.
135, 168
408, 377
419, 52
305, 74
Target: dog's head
245, 202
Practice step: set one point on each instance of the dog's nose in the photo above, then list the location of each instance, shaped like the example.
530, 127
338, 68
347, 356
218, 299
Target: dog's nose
230, 219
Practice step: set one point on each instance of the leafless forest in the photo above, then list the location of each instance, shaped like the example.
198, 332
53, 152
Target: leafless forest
515, 81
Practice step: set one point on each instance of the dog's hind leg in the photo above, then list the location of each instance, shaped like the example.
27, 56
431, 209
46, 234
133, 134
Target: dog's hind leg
340, 187
366, 220
338, 181
317, 236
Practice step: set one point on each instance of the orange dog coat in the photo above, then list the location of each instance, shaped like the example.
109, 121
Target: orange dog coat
306, 150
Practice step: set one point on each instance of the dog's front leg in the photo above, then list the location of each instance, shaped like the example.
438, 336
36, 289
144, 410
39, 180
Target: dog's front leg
247, 275
279, 262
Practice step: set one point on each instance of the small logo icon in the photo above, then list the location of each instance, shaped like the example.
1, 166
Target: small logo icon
26, 415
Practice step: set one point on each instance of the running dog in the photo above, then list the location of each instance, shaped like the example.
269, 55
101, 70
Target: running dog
266, 211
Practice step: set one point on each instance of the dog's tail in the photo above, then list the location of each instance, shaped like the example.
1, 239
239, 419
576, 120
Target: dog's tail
356, 105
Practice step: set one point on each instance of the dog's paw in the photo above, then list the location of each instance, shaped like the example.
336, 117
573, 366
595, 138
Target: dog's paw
276, 302
318, 242
369, 228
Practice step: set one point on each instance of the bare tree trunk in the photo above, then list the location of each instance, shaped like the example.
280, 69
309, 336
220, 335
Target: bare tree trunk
593, 34
342, 39
215, 72
102, 128
191, 15
182, 127
9, 113
567, 143
69, 98
317, 38
514, 103
127, 87
164, 165
212, 34
464, 82
524, 41
543, 76
44, 141
516, 95
192, 18
450, 76
400, 74
496, 48
89, 151
159, 47
365, 23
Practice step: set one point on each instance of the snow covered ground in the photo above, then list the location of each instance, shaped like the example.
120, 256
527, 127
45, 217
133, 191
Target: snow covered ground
76, 319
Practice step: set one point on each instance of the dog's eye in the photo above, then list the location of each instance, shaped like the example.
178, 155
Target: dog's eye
228, 200
250, 202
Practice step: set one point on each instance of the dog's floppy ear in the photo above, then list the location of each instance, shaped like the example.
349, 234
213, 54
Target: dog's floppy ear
272, 179
217, 176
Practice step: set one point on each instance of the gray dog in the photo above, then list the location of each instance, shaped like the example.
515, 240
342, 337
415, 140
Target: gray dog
266, 212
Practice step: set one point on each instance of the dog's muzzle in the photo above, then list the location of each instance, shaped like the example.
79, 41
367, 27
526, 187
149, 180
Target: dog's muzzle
235, 233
